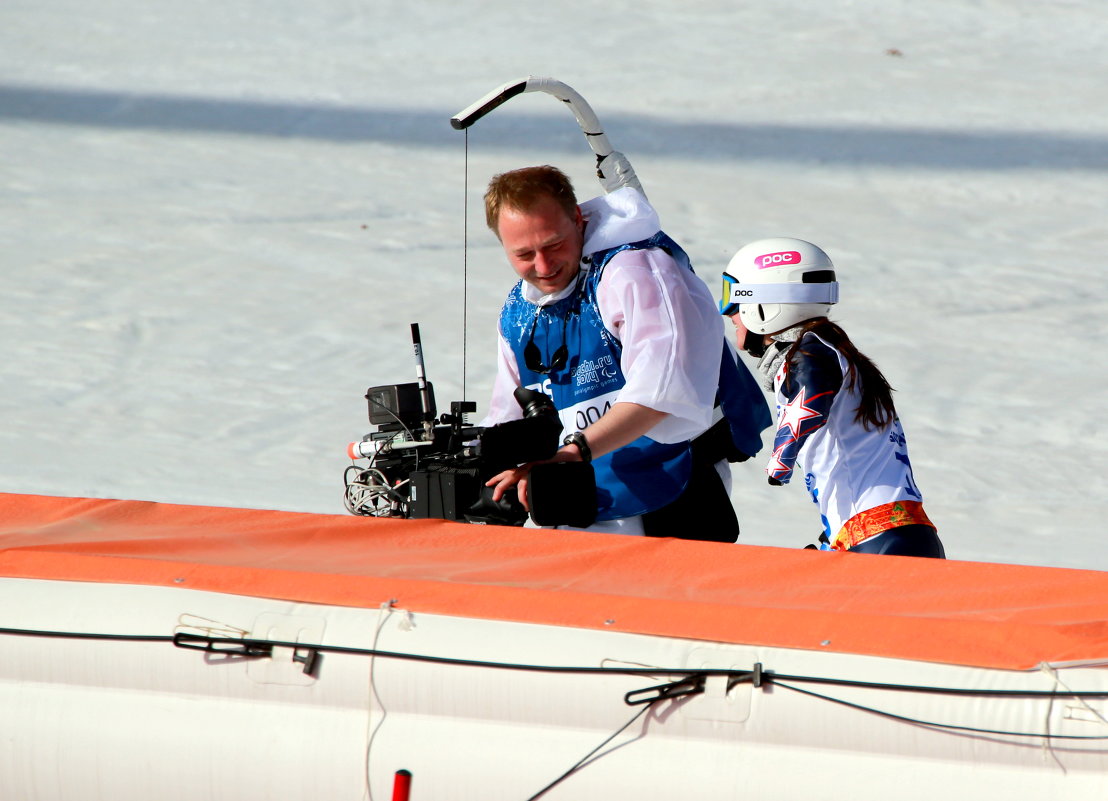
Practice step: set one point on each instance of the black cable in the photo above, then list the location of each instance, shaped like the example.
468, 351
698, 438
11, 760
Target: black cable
465, 257
78, 635
914, 688
737, 676
200, 642
942, 726
585, 760
263, 648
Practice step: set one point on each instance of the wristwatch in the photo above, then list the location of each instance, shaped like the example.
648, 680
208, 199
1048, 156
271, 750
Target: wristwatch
578, 438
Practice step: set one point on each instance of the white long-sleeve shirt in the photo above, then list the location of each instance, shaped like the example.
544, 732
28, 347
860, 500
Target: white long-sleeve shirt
663, 315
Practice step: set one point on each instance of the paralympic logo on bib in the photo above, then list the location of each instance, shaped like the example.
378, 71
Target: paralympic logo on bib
592, 371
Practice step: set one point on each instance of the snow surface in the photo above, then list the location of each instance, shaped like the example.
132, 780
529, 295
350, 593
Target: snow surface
219, 217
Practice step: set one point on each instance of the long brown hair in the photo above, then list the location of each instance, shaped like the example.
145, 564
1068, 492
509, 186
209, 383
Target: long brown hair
875, 409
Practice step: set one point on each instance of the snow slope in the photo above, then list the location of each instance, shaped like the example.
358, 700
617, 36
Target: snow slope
218, 218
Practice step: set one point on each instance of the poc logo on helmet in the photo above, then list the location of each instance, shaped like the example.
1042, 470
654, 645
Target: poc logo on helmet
773, 259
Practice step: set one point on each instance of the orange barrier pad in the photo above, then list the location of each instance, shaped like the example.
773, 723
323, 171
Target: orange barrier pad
968, 613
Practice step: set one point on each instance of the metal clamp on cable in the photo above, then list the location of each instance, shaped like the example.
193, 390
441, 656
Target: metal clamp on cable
690, 685
758, 677
225, 646
309, 658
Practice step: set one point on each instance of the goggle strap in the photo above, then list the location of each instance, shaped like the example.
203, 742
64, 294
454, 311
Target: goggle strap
783, 293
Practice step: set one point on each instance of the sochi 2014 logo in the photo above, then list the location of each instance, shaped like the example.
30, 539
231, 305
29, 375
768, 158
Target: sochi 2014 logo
775, 259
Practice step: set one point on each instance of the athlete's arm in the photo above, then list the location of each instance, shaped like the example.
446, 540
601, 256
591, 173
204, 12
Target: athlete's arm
812, 380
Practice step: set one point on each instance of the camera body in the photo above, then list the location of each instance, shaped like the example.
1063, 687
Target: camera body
423, 466
427, 466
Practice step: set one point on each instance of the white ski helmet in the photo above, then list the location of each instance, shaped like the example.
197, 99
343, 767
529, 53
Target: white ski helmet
774, 284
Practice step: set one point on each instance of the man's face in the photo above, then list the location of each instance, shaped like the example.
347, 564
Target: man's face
543, 244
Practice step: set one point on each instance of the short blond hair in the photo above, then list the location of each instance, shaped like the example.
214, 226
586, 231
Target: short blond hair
524, 188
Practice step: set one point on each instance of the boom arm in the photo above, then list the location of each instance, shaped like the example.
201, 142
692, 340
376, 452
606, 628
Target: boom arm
612, 167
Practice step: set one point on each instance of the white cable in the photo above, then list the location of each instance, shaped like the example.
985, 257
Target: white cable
371, 735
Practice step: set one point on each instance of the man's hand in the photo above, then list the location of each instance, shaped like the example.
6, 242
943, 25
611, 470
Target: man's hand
622, 424
517, 476
504, 481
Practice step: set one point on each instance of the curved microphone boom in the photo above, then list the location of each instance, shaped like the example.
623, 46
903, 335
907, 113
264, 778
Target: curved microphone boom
612, 167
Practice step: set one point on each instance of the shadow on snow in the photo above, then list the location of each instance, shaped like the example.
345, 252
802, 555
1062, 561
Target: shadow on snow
633, 133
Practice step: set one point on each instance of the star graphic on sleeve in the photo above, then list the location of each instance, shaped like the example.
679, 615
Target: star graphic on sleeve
796, 412
777, 468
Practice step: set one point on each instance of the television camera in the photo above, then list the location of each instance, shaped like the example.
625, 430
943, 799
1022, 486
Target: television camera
422, 465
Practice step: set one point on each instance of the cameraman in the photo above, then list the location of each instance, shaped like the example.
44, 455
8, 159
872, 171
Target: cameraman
610, 321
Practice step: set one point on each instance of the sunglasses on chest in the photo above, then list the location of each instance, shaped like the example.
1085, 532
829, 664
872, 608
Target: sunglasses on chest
532, 357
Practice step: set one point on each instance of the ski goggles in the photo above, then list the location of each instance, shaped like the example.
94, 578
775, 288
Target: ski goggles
736, 293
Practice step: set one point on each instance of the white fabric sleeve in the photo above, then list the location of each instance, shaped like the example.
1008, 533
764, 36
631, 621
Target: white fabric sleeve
672, 337
502, 405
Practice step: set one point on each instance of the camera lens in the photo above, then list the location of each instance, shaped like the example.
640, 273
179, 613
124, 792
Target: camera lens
534, 403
